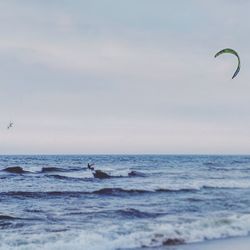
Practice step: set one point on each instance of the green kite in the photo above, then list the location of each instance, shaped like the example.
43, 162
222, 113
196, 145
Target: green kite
231, 51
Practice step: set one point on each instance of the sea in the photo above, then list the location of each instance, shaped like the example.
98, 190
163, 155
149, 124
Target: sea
54, 201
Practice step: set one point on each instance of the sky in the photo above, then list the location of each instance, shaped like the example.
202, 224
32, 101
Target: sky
124, 77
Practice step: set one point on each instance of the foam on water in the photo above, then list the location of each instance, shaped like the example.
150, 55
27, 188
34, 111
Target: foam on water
213, 227
158, 234
57, 204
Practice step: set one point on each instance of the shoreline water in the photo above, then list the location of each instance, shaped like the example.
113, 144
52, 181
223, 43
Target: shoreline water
239, 243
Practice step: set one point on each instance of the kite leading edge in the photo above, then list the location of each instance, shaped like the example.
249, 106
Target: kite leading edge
230, 51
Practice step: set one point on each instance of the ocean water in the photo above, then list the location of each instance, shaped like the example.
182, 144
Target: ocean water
58, 204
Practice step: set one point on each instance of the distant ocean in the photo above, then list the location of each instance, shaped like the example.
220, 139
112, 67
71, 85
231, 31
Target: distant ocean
53, 202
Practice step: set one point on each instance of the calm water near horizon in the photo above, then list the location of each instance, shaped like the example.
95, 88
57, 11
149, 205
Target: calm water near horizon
57, 204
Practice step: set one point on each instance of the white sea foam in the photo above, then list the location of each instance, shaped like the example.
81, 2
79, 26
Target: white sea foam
216, 227
155, 234
199, 184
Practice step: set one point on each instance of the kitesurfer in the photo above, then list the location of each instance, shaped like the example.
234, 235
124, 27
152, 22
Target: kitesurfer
90, 166
98, 173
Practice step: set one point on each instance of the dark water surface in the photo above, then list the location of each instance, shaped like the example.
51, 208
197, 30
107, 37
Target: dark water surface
53, 202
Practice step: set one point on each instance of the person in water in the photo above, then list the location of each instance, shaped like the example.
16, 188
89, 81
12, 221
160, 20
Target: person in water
90, 166
97, 173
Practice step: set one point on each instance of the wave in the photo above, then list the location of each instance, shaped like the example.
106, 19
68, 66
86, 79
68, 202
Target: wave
215, 166
134, 173
158, 235
47, 170
103, 191
24, 194
209, 163
96, 175
217, 227
15, 170
135, 213
7, 217
103, 175
63, 177
115, 191
20, 170
121, 191
69, 178
8, 222
56, 169
129, 213
168, 234
239, 162
52, 169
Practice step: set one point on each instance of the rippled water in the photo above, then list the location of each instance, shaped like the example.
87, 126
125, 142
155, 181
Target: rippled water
53, 202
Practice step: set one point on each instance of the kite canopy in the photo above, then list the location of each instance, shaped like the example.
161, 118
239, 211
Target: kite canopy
231, 51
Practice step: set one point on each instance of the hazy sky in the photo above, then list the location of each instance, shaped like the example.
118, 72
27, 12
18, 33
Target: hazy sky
115, 76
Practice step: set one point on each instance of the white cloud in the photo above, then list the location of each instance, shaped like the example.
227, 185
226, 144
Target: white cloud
74, 84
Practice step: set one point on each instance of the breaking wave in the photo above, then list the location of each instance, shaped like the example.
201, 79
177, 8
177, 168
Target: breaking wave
161, 234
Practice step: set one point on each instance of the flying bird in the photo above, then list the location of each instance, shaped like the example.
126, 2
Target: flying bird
230, 51
10, 125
